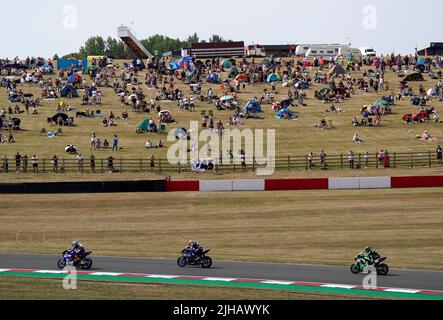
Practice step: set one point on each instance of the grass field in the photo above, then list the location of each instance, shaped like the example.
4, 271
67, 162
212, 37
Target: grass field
293, 137
41, 289
319, 227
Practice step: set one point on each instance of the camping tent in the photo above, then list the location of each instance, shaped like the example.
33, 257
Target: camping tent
377, 63
286, 103
337, 70
233, 73
285, 112
273, 77
252, 106
432, 92
226, 64
382, 103
144, 125
227, 98
213, 78
302, 85
414, 77
67, 89
241, 77
181, 134
174, 65
64, 117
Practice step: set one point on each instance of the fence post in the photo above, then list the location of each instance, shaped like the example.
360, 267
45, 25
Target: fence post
430, 160
289, 163
359, 160
160, 165
101, 165
141, 165
395, 160
412, 161
121, 165
341, 161
63, 165
179, 168
253, 164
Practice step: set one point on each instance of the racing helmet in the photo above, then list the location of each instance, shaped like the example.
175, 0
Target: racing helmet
368, 249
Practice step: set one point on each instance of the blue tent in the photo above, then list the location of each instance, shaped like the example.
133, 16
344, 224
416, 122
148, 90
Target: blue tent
174, 65
421, 61
66, 89
273, 77
185, 59
252, 106
302, 85
72, 78
281, 114
213, 78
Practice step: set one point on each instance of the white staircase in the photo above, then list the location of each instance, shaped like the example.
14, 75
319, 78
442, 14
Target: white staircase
132, 42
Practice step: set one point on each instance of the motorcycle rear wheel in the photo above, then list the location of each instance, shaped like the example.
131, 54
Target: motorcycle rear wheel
383, 269
86, 264
206, 262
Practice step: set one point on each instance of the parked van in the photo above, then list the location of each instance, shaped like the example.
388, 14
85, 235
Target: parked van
368, 52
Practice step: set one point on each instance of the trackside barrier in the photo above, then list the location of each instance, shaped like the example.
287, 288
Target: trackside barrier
375, 183
296, 184
248, 185
417, 182
344, 183
216, 185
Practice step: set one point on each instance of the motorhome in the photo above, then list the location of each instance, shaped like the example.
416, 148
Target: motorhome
302, 49
368, 52
346, 52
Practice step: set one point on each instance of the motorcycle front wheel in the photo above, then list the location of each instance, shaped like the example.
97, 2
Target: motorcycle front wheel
61, 263
181, 262
206, 262
355, 269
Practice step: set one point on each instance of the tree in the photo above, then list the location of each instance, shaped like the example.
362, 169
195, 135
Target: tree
216, 38
116, 49
161, 44
94, 46
192, 39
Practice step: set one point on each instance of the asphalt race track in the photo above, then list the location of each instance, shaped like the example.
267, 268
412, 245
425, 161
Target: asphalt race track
408, 279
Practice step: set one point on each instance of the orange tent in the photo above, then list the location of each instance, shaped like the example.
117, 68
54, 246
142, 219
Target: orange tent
241, 77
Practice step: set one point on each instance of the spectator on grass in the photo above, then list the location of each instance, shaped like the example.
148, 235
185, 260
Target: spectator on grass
54, 162
115, 143
5, 164
79, 160
439, 152
357, 139
34, 161
309, 161
25, 163
351, 159
18, 159
323, 156
92, 159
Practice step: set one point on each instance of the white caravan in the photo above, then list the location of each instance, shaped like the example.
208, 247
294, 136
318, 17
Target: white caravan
302, 49
346, 52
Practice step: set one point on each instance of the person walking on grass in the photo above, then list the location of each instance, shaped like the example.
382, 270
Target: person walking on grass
25, 163
54, 162
351, 159
93, 141
439, 152
115, 143
92, 158
18, 160
34, 161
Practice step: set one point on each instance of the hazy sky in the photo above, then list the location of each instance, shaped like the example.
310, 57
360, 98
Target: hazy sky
62, 26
